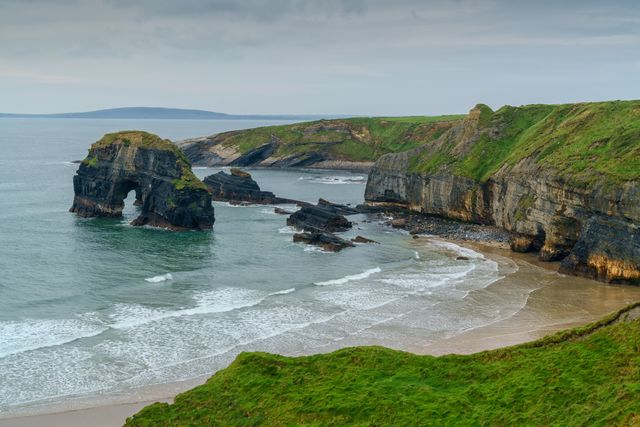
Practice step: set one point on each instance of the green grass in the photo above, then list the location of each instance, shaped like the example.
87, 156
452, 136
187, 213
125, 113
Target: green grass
145, 140
585, 143
361, 139
583, 376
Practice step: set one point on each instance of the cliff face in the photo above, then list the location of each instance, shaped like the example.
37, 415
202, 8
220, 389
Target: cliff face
563, 180
169, 194
332, 144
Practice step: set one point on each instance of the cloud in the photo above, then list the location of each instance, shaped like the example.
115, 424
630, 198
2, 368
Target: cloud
303, 55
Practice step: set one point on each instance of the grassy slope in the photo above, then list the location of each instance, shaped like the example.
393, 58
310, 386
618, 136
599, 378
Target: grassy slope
584, 376
356, 139
585, 142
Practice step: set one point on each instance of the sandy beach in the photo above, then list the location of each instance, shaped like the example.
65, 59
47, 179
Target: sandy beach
555, 302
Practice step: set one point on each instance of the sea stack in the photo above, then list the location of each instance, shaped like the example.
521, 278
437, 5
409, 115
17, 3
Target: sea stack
166, 189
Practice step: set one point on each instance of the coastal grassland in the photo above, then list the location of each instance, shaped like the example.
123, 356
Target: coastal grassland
584, 376
354, 139
585, 143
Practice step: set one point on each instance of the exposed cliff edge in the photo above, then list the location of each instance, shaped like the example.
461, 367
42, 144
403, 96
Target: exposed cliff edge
564, 180
169, 194
352, 144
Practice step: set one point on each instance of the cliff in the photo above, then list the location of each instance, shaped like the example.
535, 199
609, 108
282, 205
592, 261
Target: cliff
564, 180
166, 189
583, 376
333, 144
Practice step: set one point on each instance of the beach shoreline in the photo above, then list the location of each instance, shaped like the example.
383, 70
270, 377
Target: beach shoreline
555, 302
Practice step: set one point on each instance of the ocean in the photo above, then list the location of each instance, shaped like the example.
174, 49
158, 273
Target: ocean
96, 308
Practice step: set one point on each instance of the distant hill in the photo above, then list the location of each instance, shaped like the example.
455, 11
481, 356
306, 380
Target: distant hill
164, 113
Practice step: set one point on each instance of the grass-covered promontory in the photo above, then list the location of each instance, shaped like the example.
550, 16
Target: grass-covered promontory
585, 142
584, 376
148, 141
355, 139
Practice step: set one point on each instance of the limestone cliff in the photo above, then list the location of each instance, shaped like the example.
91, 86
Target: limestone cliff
166, 189
564, 180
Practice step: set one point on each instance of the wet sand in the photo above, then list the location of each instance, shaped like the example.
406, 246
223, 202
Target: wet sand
554, 302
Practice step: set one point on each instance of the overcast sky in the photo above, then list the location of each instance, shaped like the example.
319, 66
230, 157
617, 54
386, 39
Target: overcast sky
377, 57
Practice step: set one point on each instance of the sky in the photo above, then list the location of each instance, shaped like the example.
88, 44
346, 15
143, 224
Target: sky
361, 57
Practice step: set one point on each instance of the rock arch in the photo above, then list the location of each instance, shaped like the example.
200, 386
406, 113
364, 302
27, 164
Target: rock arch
169, 194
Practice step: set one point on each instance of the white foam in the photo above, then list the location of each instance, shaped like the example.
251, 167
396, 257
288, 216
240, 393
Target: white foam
283, 292
312, 248
215, 301
466, 252
268, 211
287, 230
416, 255
31, 334
349, 278
160, 278
334, 179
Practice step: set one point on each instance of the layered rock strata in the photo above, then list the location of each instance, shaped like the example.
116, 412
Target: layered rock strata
238, 187
562, 180
167, 191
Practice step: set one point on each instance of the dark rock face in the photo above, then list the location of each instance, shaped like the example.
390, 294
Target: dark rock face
319, 217
168, 193
238, 187
608, 249
327, 241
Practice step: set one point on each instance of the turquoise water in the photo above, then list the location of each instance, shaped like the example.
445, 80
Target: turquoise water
95, 307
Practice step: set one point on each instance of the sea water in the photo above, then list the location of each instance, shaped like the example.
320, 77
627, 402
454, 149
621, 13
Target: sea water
94, 307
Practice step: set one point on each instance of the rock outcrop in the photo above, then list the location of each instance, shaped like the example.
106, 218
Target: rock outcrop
167, 191
320, 217
562, 180
238, 187
319, 222
327, 241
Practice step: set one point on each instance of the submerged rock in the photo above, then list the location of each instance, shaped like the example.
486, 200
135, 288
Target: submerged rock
239, 187
360, 239
166, 189
327, 241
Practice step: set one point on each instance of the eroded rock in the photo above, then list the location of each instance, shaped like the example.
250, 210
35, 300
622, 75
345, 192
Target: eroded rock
167, 191
238, 187
327, 241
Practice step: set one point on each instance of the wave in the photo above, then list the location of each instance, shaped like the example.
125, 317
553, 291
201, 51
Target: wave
287, 230
32, 334
462, 251
283, 292
334, 180
350, 278
216, 301
160, 278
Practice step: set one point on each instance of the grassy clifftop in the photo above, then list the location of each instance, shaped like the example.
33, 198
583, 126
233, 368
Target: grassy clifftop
356, 139
584, 142
146, 140
583, 376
